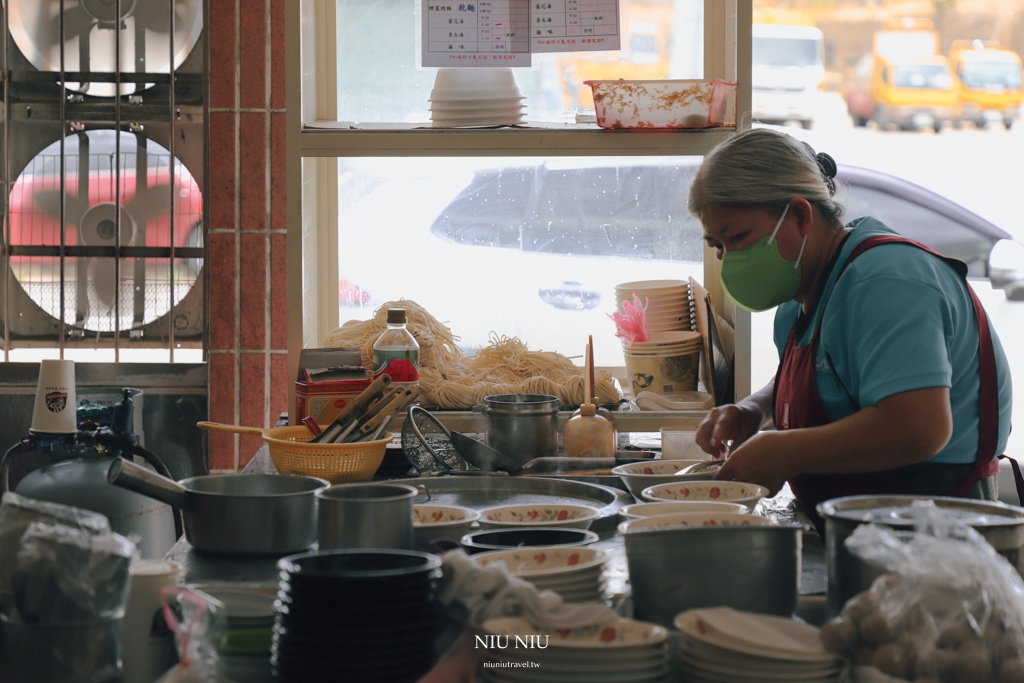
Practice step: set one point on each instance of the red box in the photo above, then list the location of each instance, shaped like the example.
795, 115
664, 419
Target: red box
328, 381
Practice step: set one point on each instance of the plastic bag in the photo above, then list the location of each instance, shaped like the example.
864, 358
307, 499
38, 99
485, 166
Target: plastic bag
194, 623
950, 610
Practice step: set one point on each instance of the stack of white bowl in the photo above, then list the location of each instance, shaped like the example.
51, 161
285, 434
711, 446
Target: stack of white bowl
668, 302
476, 97
722, 644
615, 652
577, 574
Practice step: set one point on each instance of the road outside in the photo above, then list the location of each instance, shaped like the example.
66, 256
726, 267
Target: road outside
979, 169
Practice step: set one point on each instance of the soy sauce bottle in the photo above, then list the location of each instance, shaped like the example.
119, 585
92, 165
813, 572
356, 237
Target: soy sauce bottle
396, 351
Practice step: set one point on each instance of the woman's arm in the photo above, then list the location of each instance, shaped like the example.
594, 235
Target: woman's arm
902, 429
736, 423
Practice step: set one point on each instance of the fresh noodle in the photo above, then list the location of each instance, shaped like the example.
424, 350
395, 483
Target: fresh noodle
451, 379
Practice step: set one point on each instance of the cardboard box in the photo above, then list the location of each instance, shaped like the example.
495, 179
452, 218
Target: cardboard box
328, 380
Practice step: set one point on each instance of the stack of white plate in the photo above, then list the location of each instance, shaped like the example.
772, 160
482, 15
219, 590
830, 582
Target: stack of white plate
617, 652
577, 574
244, 645
668, 302
721, 645
476, 97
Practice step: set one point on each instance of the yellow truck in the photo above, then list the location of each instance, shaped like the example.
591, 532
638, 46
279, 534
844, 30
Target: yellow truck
903, 81
989, 80
787, 69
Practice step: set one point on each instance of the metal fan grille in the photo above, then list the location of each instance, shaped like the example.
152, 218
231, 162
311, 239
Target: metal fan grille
426, 443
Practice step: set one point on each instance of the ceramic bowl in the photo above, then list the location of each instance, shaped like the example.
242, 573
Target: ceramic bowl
645, 510
623, 633
638, 476
531, 562
693, 520
441, 521
571, 516
726, 491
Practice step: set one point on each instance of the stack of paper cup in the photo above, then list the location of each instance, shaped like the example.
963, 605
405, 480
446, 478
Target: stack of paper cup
668, 302
667, 364
148, 649
54, 409
476, 97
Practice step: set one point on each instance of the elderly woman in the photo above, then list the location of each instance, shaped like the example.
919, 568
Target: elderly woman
891, 378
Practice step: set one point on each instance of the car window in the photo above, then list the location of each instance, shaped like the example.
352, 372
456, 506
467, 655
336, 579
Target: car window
923, 76
633, 212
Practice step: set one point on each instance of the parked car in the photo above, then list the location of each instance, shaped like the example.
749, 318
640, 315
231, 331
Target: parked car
536, 250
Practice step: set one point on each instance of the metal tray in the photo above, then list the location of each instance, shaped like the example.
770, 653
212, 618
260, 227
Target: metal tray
482, 492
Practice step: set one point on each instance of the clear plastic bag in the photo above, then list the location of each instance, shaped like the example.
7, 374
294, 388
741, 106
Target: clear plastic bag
195, 624
949, 610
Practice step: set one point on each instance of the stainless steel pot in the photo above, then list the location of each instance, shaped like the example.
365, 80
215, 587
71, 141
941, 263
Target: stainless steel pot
366, 516
749, 568
234, 514
1001, 525
522, 426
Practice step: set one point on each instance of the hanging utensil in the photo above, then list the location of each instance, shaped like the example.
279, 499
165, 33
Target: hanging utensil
427, 444
376, 425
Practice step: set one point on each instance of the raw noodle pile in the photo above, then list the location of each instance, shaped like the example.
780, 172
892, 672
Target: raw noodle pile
451, 379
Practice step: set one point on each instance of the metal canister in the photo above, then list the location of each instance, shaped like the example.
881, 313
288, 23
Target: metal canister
522, 426
1001, 525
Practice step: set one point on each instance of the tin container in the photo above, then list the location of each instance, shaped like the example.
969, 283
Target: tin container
522, 426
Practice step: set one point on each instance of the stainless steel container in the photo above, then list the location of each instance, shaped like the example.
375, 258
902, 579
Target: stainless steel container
1001, 525
750, 568
366, 516
522, 426
234, 514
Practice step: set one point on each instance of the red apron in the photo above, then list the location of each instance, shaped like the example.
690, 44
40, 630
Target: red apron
797, 405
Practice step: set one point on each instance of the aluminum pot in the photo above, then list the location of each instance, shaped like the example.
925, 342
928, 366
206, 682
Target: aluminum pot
1001, 525
749, 568
234, 514
522, 426
366, 516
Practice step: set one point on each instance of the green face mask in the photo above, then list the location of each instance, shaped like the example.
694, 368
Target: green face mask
757, 277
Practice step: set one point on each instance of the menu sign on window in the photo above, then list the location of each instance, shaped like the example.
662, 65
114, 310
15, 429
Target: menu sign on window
501, 33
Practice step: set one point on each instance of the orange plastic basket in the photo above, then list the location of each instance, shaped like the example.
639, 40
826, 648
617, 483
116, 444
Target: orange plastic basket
338, 463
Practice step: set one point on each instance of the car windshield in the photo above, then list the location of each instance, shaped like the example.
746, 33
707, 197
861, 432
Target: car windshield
991, 75
935, 76
786, 52
629, 211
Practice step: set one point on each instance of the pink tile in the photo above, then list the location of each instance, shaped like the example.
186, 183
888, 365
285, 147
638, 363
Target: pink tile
253, 53
278, 291
222, 409
223, 247
252, 285
252, 402
278, 181
222, 171
223, 57
252, 180
277, 88
280, 385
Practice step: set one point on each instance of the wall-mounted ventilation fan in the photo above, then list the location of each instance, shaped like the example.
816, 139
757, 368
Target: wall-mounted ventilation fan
89, 41
98, 219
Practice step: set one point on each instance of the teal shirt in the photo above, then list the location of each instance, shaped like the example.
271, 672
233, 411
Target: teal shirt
899, 319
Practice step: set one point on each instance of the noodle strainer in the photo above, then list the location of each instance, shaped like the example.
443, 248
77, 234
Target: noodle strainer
427, 444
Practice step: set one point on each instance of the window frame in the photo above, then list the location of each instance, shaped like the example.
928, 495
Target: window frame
315, 141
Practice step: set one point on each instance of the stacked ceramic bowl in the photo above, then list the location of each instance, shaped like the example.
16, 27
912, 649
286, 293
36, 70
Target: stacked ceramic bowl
722, 644
724, 491
668, 302
243, 647
646, 510
614, 652
568, 516
638, 476
574, 573
430, 522
355, 615
476, 97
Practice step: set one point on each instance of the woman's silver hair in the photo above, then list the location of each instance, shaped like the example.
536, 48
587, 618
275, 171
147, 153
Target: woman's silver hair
761, 167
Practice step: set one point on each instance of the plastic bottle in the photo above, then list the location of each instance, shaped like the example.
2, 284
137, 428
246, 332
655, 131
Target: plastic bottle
589, 435
396, 351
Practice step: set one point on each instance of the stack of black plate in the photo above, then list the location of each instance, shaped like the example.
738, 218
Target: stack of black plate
355, 615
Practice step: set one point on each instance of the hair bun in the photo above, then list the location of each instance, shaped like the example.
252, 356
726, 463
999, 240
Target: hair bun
827, 164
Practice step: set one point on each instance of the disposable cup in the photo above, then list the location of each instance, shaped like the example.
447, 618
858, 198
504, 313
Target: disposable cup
55, 405
663, 375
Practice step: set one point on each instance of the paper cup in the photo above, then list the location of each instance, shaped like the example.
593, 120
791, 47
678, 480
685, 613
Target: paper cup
54, 409
663, 374
148, 645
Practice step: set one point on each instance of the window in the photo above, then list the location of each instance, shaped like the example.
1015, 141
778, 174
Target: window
923, 76
518, 231
993, 75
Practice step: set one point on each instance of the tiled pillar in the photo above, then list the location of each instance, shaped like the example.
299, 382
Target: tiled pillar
248, 319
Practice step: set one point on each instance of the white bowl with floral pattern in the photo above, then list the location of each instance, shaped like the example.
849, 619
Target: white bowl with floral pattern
618, 634
726, 491
558, 561
540, 515
693, 520
441, 521
640, 475
644, 510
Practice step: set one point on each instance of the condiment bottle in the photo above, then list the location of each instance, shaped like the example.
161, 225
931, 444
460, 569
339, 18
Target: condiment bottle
396, 351
589, 435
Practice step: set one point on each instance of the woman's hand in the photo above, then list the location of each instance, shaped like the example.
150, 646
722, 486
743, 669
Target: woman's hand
761, 460
731, 423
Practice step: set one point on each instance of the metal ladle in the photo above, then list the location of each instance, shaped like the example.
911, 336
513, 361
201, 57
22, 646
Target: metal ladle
483, 456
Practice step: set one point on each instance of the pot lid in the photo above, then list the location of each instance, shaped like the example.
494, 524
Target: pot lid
896, 511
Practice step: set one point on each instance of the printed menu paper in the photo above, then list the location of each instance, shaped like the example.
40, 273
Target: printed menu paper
504, 33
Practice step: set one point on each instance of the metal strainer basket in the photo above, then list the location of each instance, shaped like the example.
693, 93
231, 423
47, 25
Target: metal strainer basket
426, 443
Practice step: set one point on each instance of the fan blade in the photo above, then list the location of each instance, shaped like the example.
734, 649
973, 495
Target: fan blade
48, 201
77, 22
103, 281
156, 15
